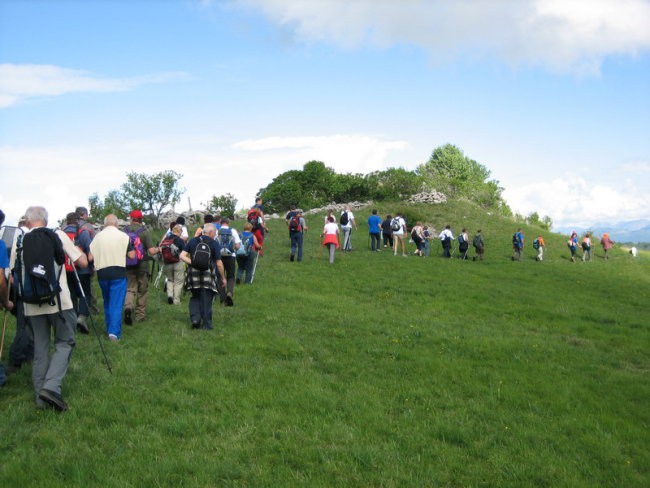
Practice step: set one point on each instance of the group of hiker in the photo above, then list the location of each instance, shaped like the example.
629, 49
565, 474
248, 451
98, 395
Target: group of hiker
45, 280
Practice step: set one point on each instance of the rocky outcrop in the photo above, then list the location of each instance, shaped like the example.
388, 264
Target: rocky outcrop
432, 196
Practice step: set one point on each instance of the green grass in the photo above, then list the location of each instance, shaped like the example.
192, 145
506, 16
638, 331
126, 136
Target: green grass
376, 371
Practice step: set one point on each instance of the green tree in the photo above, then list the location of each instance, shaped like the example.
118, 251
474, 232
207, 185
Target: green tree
113, 203
544, 222
222, 204
393, 184
152, 193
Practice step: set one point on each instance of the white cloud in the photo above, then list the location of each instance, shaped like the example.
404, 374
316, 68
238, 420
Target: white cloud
210, 166
563, 35
573, 200
20, 82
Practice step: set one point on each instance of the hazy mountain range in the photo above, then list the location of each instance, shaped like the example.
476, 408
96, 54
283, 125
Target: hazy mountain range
630, 231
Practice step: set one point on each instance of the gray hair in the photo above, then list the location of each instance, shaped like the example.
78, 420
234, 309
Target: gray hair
210, 229
110, 220
36, 214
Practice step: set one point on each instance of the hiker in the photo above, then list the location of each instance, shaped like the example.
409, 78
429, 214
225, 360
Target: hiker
254, 216
586, 248
203, 256
398, 227
374, 231
347, 222
387, 231
418, 239
540, 246
21, 350
290, 214
446, 238
86, 274
180, 220
5, 302
330, 237
479, 245
110, 249
330, 213
246, 255
229, 242
45, 250
207, 219
572, 244
607, 244
173, 267
517, 245
463, 244
137, 269
428, 236
297, 228
81, 238
259, 205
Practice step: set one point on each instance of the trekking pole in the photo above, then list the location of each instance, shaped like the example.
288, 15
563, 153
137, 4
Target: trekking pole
92, 322
157, 280
257, 254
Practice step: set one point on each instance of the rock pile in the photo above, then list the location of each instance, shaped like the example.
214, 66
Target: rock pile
432, 196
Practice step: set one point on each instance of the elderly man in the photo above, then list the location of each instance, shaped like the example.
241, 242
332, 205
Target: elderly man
43, 254
203, 257
110, 248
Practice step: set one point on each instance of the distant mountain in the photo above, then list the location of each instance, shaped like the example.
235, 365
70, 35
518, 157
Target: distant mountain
629, 231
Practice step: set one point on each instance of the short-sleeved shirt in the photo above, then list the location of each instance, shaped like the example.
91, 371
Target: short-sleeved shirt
83, 239
73, 253
4, 256
374, 224
215, 248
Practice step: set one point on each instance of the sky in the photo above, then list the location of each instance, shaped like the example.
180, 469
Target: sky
553, 96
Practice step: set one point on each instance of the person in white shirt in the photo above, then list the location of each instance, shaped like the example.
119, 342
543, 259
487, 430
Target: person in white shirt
330, 237
230, 242
347, 222
446, 238
398, 224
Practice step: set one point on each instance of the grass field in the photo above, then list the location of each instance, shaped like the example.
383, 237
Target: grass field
375, 371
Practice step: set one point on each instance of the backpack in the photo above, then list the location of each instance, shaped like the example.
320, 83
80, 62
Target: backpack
515, 240
477, 241
227, 241
169, 251
536, 244
10, 236
344, 218
39, 263
138, 246
294, 224
395, 225
69, 265
585, 246
246, 244
253, 218
461, 239
202, 255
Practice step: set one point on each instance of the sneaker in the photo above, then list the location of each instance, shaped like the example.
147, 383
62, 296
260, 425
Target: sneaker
228, 301
128, 318
81, 325
170, 300
54, 399
113, 338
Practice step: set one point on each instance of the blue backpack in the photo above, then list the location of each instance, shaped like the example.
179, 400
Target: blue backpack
227, 241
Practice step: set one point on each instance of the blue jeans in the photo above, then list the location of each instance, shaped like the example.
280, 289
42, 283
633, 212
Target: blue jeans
296, 243
201, 307
114, 293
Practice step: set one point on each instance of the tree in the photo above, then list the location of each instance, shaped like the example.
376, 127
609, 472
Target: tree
113, 203
545, 222
223, 204
393, 184
152, 193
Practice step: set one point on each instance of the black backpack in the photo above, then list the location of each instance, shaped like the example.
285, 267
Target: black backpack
39, 263
344, 218
515, 240
202, 255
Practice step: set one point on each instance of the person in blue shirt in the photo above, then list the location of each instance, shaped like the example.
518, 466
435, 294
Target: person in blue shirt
374, 228
517, 245
4, 264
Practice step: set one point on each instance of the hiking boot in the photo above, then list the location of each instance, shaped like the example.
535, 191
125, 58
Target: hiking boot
170, 300
81, 325
228, 301
291, 257
128, 316
196, 325
54, 399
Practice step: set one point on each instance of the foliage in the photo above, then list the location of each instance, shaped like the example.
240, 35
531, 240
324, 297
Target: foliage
545, 222
451, 172
393, 184
375, 371
222, 204
113, 203
152, 193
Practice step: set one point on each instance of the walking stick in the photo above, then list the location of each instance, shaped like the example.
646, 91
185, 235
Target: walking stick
92, 322
157, 280
257, 254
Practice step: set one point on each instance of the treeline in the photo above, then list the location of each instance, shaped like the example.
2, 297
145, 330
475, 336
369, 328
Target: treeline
448, 170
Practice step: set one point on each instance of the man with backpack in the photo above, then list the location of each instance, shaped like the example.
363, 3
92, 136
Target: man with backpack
202, 254
297, 228
347, 222
86, 274
174, 269
479, 246
137, 269
229, 241
44, 292
517, 245
398, 227
446, 238
82, 240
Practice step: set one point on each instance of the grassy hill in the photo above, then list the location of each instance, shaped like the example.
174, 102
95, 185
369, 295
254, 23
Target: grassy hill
374, 371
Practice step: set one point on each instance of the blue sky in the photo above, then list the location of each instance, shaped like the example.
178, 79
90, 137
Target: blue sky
552, 96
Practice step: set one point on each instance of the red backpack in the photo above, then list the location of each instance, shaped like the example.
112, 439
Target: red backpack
69, 265
169, 251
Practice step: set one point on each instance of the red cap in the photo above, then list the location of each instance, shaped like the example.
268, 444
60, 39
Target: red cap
136, 214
